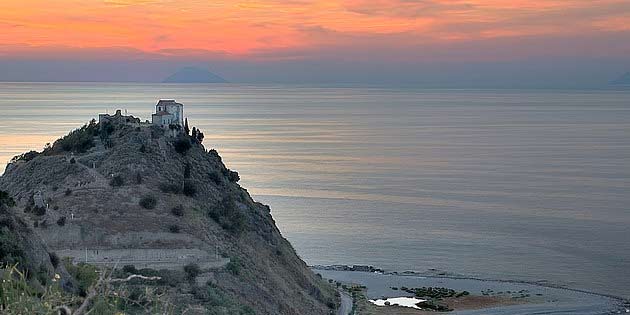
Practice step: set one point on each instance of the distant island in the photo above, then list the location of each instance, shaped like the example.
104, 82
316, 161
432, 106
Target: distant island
622, 80
194, 75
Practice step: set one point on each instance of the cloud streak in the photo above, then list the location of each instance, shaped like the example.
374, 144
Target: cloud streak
278, 29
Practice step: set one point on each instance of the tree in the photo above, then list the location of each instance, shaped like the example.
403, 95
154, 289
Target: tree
194, 133
186, 129
200, 137
182, 145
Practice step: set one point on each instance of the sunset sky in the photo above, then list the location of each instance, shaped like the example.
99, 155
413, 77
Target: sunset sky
267, 32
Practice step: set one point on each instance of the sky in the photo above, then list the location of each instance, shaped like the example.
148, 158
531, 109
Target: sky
433, 42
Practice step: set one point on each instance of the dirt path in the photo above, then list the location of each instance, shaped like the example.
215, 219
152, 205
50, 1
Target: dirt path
346, 304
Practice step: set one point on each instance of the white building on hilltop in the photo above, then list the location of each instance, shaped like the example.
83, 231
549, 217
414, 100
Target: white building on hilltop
168, 112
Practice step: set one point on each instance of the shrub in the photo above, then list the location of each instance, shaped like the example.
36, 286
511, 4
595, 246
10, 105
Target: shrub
189, 188
130, 269
61, 221
174, 228
182, 145
11, 251
72, 161
233, 176
215, 177
143, 148
85, 274
79, 140
138, 178
6, 200
54, 259
148, 202
178, 211
25, 156
211, 296
192, 271
234, 266
227, 214
117, 181
39, 210
68, 192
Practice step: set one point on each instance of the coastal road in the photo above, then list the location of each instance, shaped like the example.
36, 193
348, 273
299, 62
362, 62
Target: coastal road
346, 304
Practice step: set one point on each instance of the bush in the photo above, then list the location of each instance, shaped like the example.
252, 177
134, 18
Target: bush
234, 266
211, 296
61, 221
6, 200
227, 214
85, 274
178, 211
117, 181
215, 177
68, 192
182, 145
192, 271
25, 156
138, 178
79, 140
72, 161
143, 148
39, 210
11, 251
148, 202
54, 259
130, 269
233, 176
174, 228
189, 188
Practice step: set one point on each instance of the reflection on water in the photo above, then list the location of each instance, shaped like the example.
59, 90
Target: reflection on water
512, 184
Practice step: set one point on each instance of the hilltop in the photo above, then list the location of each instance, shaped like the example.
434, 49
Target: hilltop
154, 201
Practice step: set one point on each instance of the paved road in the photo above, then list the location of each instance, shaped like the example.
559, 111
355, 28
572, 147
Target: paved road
346, 304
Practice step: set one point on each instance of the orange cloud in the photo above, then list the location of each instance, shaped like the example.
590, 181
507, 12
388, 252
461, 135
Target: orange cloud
242, 28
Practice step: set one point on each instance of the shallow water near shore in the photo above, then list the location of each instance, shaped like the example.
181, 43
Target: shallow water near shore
520, 298
525, 185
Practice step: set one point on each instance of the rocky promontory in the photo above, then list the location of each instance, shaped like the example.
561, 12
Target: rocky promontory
144, 200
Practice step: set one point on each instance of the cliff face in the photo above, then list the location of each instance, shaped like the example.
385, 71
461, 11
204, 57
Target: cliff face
133, 194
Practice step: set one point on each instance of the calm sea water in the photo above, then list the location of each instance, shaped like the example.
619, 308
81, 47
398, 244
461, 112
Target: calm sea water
531, 185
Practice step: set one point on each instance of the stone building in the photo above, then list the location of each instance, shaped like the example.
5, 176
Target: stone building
168, 112
118, 118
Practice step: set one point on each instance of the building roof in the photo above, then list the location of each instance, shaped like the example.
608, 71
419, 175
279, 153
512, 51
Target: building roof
168, 102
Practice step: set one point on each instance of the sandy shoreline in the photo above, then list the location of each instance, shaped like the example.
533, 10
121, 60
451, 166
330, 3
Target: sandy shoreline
491, 297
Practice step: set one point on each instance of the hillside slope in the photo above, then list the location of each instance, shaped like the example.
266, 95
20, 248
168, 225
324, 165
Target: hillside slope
136, 194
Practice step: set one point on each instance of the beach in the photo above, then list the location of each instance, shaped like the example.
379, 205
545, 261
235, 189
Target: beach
489, 297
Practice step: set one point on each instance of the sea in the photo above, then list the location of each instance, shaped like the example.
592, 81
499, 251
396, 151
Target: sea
528, 185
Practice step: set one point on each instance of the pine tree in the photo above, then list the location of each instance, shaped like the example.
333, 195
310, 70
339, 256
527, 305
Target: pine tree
186, 129
194, 133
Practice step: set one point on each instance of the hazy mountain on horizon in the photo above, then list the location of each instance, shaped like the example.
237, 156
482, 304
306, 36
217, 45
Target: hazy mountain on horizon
194, 75
622, 80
